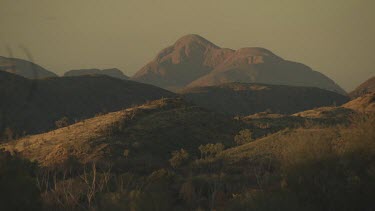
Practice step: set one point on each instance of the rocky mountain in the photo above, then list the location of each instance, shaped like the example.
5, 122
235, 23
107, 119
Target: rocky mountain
148, 133
366, 87
24, 68
33, 106
246, 98
113, 72
194, 61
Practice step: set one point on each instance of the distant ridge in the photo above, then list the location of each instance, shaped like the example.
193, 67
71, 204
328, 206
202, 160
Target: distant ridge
194, 61
24, 68
113, 72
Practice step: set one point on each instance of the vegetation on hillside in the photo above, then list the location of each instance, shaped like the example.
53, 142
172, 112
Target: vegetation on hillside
317, 167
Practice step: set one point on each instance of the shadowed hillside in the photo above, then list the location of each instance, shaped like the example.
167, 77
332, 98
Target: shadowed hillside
24, 68
246, 99
34, 106
194, 61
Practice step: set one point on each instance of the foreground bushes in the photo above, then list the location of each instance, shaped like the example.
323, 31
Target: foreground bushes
313, 171
18, 187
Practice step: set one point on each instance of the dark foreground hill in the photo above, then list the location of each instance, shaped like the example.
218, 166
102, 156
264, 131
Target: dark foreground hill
24, 68
246, 99
194, 61
147, 133
33, 106
114, 72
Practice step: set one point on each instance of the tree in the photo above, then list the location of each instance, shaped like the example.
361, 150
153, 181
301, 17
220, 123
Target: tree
243, 137
210, 150
178, 158
63, 122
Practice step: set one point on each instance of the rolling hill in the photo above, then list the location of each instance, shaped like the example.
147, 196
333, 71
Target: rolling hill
24, 68
194, 61
114, 72
33, 106
246, 99
362, 104
150, 132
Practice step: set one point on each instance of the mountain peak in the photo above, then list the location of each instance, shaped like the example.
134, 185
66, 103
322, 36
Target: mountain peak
190, 39
194, 61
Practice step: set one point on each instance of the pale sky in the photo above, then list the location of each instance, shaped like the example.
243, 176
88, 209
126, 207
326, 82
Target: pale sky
335, 37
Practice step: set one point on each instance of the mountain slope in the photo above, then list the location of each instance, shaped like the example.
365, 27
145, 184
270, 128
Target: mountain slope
189, 58
24, 68
365, 103
366, 87
246, 99
49, 100
362, 104
114, 72
194, 61
149, 132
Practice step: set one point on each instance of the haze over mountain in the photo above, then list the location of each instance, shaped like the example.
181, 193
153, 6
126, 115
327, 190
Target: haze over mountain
245, 99
33, 106
113, 72
24, 68
194, 61
366, 87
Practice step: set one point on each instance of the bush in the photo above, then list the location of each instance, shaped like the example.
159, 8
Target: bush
210, 150
179, 157
243, 137
63, 122
334, 174
18, 189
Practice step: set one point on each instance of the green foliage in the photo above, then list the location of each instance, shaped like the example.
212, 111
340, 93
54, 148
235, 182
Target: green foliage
210, 150
63, 122
243, 137
179, 157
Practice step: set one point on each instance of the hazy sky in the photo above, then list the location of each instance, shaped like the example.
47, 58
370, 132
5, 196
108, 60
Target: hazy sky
335, 37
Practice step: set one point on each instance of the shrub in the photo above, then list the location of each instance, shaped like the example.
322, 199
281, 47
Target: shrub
243, 137
63, 122
179, 157
18, 189
210, 150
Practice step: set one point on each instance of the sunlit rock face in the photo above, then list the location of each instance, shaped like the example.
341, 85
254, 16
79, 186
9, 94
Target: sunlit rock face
194, 61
